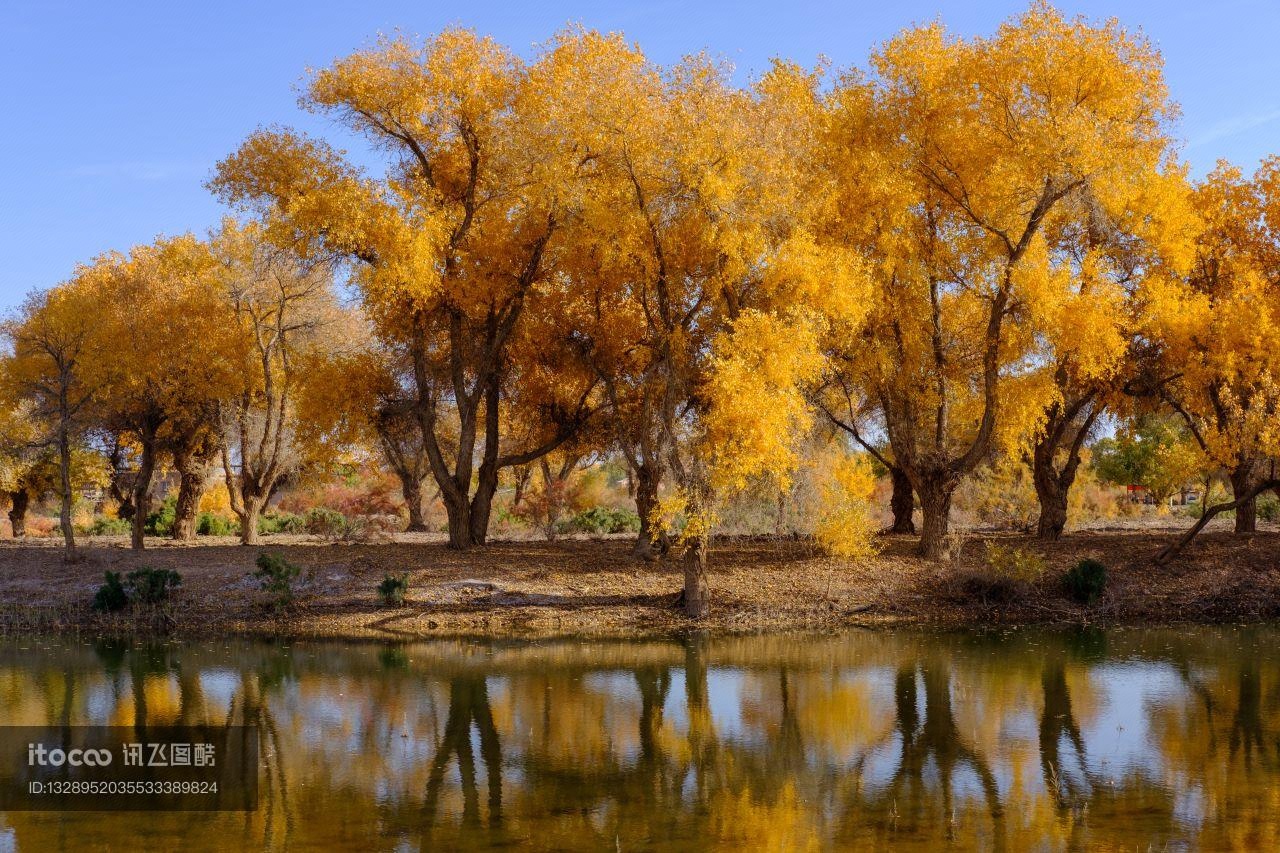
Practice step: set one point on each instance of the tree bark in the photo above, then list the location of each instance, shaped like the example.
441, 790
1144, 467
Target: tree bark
193, 472
19, 500
142, 489
1242, 480
648, 545
64, 472
412, 490
252, 509
935, 509
697, 594
902, 503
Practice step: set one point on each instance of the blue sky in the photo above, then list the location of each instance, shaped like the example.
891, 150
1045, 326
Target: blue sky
114, 113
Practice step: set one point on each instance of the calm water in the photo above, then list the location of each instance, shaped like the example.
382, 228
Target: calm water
1023, 740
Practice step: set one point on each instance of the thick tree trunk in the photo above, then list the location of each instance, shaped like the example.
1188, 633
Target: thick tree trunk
249, 514
1053, 511
193, 472
458, 515
902, 503
142, 492
697, 594
411, 487
935, 509
649, 545
18, 502
1242, 480
1051, 493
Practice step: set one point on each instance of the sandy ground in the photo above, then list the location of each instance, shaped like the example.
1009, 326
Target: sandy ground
594, 587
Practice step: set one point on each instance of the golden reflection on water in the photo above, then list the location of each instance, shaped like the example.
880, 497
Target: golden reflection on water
1015, 740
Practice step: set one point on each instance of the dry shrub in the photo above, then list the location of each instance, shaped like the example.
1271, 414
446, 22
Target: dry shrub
1007, 573
999, 495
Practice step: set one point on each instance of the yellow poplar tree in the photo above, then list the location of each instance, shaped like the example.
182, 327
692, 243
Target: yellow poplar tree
971, 150
453, 248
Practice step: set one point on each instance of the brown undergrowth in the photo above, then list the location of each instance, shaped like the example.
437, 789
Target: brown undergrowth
595, 588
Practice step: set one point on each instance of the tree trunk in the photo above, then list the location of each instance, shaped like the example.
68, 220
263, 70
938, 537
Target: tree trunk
192, 474
252, 508
649, 546
64, 471
935, 508
1051, 493
458, 514
902, 503
697, 595
482, 505
142, 492
19, 501
411, 487
1242, 481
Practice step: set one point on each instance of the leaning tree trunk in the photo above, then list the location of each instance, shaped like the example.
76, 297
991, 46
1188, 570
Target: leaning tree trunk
19, 500
902, 503
935, 509
1242, 480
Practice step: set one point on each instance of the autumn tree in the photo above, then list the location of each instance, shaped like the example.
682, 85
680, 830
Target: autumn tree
279, 307
53, 339
169, 331
1216, 369
704, 297
453, 248
958, 157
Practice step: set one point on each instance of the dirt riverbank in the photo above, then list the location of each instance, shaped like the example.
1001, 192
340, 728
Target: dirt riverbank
595, 588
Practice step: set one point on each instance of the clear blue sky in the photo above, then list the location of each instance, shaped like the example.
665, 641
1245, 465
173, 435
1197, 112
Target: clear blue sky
115, 112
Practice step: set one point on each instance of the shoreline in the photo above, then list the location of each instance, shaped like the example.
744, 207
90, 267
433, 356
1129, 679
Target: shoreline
594, 589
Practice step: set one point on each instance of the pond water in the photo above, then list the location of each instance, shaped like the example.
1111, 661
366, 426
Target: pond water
1018, 740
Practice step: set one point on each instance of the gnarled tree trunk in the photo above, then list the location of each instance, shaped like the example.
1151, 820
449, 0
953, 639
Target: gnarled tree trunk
935, 509
902, 502
193, 473
650, 542
142, 486
19, 500
1242, 479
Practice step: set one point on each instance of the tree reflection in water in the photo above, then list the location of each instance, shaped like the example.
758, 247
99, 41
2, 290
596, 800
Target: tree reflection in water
1032, 739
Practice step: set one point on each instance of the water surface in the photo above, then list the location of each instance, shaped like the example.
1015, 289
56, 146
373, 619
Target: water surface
1017, 740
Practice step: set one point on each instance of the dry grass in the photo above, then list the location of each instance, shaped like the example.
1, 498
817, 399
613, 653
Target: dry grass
594, 587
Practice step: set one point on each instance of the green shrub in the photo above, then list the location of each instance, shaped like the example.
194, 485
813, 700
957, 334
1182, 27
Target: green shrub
276, 575
111, 596
392, 589
323, 521
1086, 580
1269, 508
600, 519
160, 522
211, 524
152, 586
103, 526
280, 522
